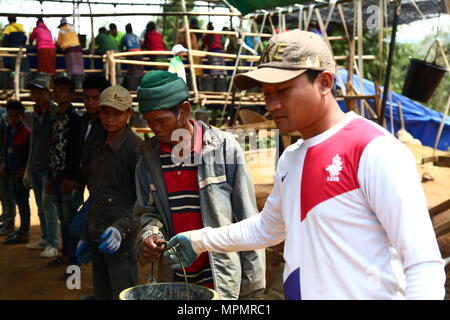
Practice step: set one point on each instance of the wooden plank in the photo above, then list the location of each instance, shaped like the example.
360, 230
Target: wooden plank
445, 164
441, 207
430, 159
269, 124
442, 229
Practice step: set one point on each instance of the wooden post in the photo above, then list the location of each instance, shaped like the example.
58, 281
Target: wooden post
378, 101
191, 59
351, 104
17, 75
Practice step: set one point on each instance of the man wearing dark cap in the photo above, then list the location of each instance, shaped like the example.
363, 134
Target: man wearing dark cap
200, 181
110, 233
38, 160
346, 200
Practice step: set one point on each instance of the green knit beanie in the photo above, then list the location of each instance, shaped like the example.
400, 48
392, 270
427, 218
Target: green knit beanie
161, 90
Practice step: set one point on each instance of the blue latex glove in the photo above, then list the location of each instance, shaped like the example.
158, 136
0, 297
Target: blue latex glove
183, 246
112, 242
83, 252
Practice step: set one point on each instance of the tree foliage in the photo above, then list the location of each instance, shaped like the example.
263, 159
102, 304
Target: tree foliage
373, 70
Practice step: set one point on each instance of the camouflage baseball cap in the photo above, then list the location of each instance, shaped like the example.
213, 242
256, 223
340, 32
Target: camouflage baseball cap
286, 56
116, 97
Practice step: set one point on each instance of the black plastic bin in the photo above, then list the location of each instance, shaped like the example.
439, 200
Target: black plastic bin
422, 79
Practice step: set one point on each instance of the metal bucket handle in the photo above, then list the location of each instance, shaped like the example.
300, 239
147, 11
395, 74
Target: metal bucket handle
429, 49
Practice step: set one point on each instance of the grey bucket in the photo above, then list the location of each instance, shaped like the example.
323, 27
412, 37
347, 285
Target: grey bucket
168, 291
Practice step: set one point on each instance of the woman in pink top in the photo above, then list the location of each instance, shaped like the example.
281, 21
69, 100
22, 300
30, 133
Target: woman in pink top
46, 49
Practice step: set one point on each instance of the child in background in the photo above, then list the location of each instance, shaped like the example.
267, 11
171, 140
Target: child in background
17, 142
176, 64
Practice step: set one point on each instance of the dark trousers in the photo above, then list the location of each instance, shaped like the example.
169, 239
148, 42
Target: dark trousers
16, 191
8, 205
113, 273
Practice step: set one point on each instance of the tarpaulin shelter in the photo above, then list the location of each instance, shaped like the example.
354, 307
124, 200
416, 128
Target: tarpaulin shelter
421, 122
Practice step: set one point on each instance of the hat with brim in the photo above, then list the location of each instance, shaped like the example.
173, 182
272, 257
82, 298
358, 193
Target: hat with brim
245, 81
62, 22
38, 84
288, 55
116, 97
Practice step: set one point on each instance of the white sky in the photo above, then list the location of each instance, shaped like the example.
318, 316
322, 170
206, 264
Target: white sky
413, 32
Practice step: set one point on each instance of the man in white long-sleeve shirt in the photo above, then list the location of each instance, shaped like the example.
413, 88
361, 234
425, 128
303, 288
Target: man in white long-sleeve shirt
347, 198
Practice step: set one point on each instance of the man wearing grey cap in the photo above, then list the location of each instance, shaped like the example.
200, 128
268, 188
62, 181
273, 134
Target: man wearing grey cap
346, 200
109, 235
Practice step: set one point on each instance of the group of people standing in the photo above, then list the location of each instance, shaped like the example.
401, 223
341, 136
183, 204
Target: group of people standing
136, 191
14, 36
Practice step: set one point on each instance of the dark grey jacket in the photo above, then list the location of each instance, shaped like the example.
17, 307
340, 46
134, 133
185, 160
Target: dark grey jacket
111, 186
40, 139
226, 196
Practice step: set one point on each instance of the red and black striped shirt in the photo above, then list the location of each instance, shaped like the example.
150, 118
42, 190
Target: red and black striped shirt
181, 181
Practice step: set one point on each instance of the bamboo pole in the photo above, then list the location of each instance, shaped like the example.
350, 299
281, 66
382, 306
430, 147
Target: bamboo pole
197, 66
400, 109
332, 4
324, 31
195, 53
17, 75
391, 113
360, 52
441, 126
66, 15
191, 58
235, 69
378, 100
232, 33
111, 65
92, 47
344, 23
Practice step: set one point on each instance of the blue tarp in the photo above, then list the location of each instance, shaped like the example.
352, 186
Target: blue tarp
421, 122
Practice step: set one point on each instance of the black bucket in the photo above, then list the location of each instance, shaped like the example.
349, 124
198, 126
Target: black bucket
422, 77
168, 291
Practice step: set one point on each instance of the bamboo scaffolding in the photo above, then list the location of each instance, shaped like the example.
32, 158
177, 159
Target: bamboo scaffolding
232, 33
120, 14
17, 75
305, 16
190, 56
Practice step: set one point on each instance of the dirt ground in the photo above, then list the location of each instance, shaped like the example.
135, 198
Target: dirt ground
22, 275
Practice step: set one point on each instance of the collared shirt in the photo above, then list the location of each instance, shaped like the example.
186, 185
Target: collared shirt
181, 182
111, 184
65, 149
